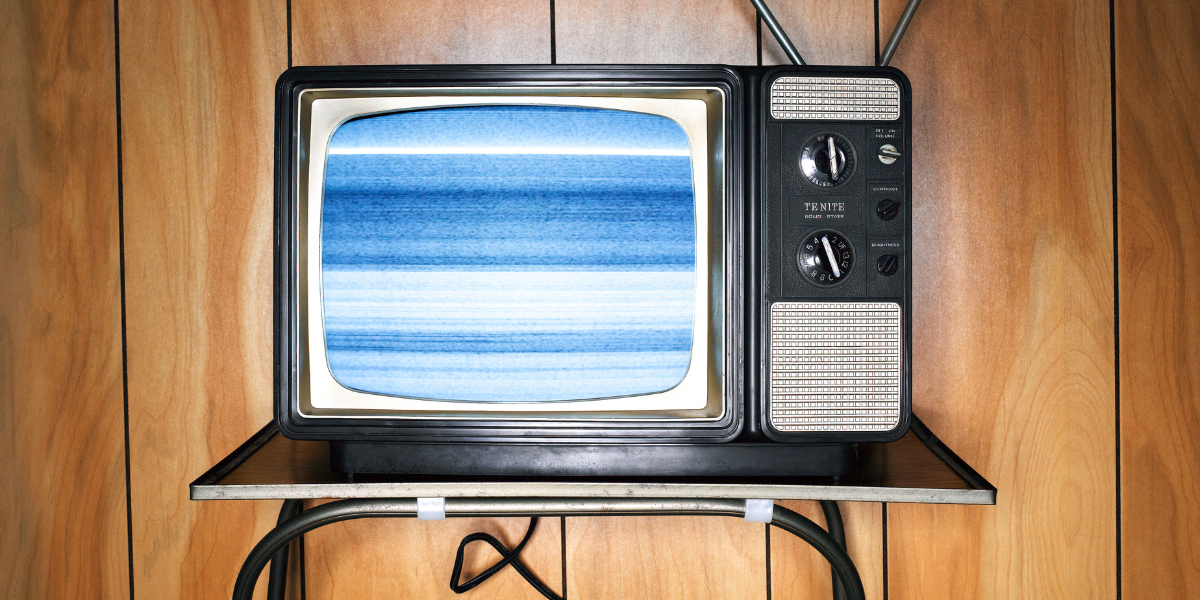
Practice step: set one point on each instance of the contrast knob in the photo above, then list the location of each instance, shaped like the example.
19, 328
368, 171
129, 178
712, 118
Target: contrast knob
887, 209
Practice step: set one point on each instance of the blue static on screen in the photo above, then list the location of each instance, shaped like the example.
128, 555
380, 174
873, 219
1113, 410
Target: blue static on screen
509, 254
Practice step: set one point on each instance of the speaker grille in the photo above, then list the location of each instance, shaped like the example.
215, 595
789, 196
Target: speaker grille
835, 366
835, 98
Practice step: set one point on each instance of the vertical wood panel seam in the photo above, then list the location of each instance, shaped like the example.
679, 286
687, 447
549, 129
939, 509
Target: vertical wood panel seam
562, 520
876, 32
553, 43
885, 545
758, 36
289, 32
121, 275
767, 526
1112, 65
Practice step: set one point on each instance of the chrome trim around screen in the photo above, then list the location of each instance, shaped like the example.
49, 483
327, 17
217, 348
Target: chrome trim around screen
701, 396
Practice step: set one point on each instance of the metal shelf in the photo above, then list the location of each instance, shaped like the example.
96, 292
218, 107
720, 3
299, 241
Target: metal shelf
917, 468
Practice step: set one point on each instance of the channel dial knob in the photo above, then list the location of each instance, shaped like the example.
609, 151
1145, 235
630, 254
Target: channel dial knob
827, 160
825, 257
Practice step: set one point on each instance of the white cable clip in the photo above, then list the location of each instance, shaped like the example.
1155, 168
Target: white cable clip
760, 511
431, 509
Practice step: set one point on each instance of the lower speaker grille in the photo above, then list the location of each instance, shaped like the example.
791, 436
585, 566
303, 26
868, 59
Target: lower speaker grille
835, 366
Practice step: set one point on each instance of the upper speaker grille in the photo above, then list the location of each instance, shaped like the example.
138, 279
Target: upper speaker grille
835, 98
835, 366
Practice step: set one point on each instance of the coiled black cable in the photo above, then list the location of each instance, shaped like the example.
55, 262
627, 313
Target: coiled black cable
508, 557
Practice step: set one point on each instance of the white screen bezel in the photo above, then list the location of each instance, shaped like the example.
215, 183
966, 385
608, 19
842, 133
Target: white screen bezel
699, 397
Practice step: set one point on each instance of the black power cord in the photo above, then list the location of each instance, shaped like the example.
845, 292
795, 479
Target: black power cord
508, 557
277, 578
833, 524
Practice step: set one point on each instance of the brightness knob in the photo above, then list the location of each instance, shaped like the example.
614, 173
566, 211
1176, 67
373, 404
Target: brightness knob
887, 265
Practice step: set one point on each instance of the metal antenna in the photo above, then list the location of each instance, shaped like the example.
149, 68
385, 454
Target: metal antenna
777, 31
901, 26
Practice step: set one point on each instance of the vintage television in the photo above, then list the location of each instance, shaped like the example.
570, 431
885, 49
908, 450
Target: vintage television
604, 271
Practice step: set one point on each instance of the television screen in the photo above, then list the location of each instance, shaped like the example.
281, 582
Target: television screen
509, 253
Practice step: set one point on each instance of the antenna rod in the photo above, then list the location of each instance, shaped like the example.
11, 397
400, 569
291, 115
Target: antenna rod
897, 33
777, 31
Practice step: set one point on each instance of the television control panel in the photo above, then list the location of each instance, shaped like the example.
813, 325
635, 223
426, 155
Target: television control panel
835, 253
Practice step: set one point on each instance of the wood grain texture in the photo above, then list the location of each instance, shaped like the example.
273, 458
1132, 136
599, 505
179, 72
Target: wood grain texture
62, 455
1013, 353
651, 558
406, 558
197, 81
670, 31
1158, 177
825, 32
400, 32
798, 571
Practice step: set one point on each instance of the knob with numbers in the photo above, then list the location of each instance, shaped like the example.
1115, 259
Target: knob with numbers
825, 257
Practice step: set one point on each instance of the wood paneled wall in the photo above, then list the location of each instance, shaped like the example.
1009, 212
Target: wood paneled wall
1013, 345
62, 442
1158, 210
1055, 207
197, 93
